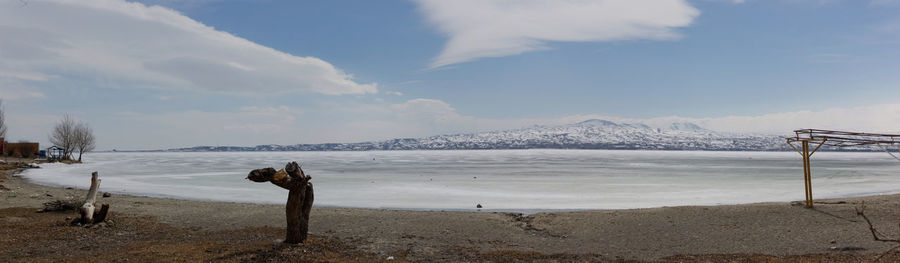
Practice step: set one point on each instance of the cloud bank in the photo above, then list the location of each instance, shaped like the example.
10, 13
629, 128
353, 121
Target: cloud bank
135, 46
496, 28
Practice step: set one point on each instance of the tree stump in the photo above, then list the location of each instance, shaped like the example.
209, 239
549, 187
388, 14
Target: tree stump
300, 197
87, 210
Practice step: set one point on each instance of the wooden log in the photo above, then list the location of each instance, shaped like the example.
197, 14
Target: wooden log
100, 216
87, 210
294, 212
307, 207
61, 205
300, 197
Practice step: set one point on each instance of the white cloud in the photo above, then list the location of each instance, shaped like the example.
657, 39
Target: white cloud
13, 88
496, 28
134, 45
18, 93
882, 118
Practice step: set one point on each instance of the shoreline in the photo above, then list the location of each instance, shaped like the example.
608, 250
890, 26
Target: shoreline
775, 229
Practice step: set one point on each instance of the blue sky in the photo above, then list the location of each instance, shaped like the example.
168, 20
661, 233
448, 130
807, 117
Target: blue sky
169, 73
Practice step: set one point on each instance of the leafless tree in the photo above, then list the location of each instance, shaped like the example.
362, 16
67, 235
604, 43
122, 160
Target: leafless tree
63, 136
84, 139
2, 121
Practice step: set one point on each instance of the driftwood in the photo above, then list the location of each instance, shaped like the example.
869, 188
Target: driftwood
300, 197
87, 210
60, 205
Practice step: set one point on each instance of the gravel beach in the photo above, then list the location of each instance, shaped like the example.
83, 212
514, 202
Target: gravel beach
755, 232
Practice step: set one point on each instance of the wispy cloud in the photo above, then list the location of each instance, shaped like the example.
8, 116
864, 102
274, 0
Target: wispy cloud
496, 28
150, 46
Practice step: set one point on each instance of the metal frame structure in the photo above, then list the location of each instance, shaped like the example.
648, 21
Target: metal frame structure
831, 138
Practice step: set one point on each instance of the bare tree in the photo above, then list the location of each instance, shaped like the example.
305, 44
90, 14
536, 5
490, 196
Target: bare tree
2, 121
63, 136
84, 139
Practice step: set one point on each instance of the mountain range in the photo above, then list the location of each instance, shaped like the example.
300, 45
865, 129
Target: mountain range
590, 134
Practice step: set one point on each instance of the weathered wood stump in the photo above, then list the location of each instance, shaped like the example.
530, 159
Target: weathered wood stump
87, 210
300, 197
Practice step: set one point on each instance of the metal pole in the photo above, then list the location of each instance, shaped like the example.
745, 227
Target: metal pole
807, 174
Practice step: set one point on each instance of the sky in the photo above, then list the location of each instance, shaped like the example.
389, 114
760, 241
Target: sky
159, 74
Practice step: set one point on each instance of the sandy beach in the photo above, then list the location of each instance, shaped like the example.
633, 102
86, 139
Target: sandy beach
159, 229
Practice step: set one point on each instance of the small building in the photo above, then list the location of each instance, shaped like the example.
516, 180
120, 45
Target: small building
54, 153
21, 149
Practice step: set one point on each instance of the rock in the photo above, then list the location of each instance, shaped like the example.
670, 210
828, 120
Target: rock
106, 194
478, 206
48, 195
34, 195
70, 188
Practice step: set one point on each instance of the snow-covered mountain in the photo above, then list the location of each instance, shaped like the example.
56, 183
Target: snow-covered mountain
590, 134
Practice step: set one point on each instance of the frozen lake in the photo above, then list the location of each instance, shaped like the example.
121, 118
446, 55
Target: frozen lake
497, 179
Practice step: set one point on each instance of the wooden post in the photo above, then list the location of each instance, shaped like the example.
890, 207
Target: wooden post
300, 197
807, 175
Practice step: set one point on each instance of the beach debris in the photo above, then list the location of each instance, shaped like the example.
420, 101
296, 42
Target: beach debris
300, 197
106, 194
876, 235
390, 258
27, 165
478, 206
87, 210
12, 195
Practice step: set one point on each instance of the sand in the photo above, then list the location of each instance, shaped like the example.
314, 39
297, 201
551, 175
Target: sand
765, 231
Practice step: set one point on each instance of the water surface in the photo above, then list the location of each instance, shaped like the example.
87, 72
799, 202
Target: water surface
497, 179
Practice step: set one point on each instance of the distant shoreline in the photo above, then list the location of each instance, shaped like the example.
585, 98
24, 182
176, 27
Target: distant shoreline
502, 149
